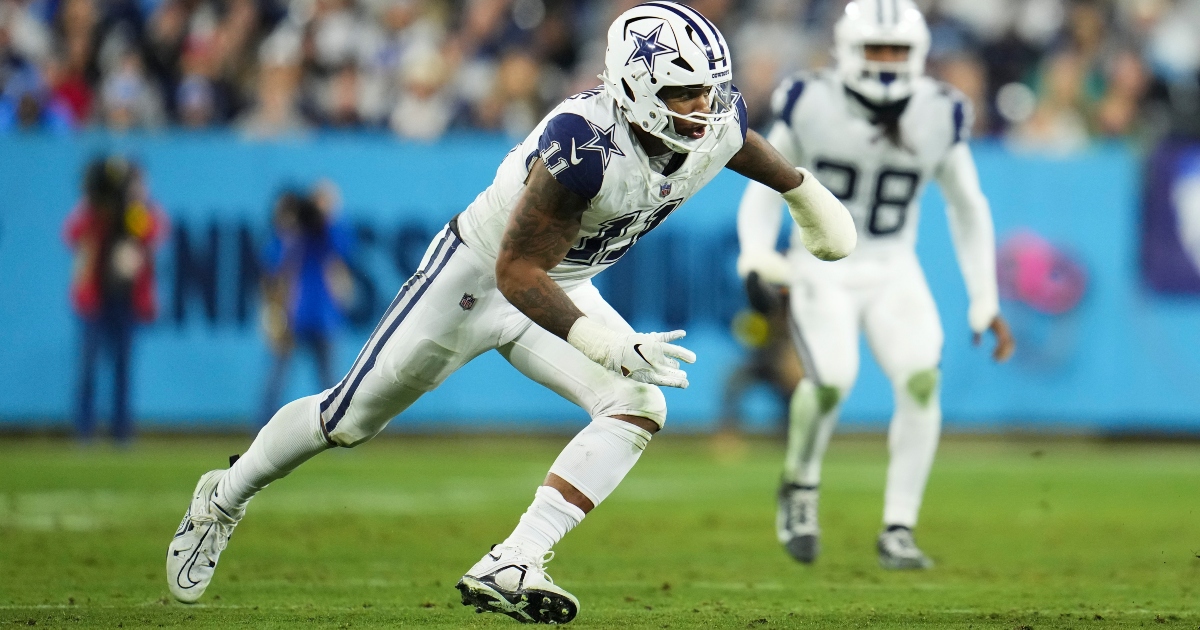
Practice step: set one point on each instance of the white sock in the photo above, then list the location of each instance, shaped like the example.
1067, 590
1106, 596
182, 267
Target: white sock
813, 414
912, 443
291, 437
600, 456
547, 520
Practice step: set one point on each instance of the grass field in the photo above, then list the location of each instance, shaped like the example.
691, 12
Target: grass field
1027, 534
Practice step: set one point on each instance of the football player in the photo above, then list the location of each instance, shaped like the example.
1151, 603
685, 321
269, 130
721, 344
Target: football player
875, 129
512, 273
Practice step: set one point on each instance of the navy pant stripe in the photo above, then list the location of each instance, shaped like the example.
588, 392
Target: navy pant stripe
802, 350
370, 362
391, 307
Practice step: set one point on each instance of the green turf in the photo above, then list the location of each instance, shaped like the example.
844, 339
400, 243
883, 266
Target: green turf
1049, 534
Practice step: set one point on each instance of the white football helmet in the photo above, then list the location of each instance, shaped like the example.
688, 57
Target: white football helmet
896, 22
659, 44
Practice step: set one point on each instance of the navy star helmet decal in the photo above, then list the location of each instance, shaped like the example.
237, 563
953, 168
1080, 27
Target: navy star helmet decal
602, 141
648, 47
577, 152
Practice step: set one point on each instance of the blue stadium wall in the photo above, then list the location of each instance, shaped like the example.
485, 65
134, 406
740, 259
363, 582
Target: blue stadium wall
1125, 359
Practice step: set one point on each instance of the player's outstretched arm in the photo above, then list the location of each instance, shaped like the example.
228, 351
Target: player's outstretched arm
826, 227
974, 239
540, 232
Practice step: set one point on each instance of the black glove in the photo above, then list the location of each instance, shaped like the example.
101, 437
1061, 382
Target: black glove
764, 297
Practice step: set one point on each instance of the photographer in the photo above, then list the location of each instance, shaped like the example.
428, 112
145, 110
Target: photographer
113, 232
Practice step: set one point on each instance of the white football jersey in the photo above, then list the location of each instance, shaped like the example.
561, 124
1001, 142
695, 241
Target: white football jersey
879, 182
588, 146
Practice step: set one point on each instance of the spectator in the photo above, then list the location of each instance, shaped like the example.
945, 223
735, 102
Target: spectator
23, 31
425, 107
129, 100
1116, 113
1058, 124
512, 103
306, 286
69, 88
114, 231
28, 105
276, 110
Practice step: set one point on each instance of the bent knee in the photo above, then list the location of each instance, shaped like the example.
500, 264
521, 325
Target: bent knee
632, 398
367, 414
922, 386
822, 397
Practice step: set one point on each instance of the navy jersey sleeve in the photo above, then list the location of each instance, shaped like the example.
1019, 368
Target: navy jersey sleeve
962, 113
783, 101
577, 151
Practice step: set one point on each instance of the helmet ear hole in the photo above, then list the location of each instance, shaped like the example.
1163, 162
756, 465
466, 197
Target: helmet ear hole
628, 90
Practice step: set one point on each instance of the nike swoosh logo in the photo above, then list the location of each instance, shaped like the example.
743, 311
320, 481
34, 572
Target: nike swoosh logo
574, 157
186, 571
494, 557
637, 347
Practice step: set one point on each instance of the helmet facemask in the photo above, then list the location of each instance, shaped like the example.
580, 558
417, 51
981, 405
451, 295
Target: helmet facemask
721, 100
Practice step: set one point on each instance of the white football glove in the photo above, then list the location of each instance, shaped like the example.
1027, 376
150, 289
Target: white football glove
644, 357
981, 313
826, 227
772, 267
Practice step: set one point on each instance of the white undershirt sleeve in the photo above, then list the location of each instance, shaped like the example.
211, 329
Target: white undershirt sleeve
974, 236
760, 214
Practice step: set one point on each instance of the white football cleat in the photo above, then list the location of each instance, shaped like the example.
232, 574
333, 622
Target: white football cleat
898, 550
796, 522
511, 583
199, 541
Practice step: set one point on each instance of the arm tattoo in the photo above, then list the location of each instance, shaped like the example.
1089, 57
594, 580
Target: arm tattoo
539, 234
760, 161
543, 301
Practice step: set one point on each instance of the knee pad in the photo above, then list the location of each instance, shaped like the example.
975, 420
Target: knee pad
632, 398
600, 456
823, 398
922, 386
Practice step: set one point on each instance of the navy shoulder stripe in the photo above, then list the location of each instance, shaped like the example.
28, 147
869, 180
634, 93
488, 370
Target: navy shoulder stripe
577, 151
789, 104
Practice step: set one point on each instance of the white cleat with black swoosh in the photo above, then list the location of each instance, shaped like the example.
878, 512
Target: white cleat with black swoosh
509, 582
199, 541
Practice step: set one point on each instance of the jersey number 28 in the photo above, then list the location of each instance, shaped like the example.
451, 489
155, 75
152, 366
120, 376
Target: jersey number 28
894, 191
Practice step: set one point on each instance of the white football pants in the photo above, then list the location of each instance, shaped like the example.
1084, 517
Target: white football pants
450, 312
890, 301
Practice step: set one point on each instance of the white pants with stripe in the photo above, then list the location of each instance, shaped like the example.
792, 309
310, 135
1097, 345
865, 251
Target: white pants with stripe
447, 314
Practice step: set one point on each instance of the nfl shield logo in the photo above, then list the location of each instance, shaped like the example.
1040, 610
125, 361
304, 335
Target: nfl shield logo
664, 189
467, 302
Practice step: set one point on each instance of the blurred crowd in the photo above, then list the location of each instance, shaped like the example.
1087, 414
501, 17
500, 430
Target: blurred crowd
1045, 73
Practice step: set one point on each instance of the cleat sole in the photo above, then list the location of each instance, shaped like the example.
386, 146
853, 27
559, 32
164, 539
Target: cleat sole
804, 549
905, 564
555, 608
